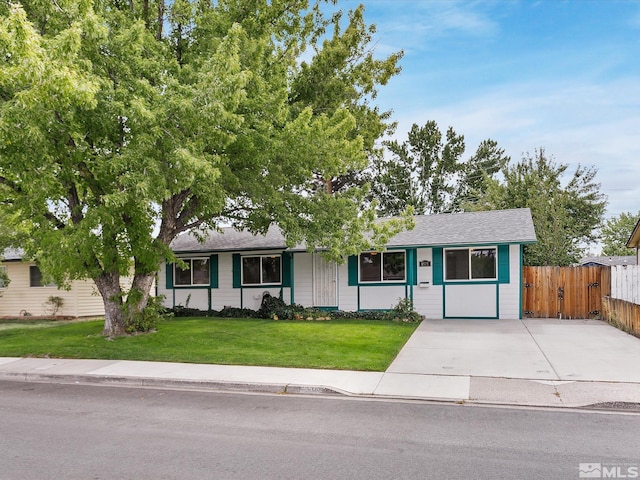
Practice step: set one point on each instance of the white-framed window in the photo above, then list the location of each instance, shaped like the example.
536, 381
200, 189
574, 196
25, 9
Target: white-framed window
36, 279
196, 273
262, 270
3, 276
470, 263
382, 266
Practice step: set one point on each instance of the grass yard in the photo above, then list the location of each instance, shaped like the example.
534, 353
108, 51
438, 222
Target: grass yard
336, 344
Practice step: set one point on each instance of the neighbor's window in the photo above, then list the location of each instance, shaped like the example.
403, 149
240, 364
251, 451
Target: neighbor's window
470, 264
261, 270
196, 273
35, 278
382, 267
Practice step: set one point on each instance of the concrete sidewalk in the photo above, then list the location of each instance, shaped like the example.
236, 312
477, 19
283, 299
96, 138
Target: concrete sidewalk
533, 362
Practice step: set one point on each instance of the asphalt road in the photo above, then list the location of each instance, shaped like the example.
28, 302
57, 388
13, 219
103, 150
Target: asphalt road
50, 431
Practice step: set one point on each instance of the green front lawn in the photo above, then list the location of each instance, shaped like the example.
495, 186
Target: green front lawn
335, 344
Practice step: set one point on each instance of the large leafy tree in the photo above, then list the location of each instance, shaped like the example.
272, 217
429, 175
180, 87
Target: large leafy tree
419, 172
125, 123
616, 232
566, 212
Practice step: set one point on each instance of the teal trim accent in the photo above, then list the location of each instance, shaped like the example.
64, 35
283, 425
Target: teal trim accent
470, 282
292, 280
358, 297
352, 267
263, 286
521, 281
327, 309
382, 284
503, 264
287, 269
213, 271
438, 267
412, 274
169, 275
412, 266
237, 272
191, 287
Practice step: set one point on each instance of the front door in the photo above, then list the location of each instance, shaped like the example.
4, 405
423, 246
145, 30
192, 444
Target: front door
325, 284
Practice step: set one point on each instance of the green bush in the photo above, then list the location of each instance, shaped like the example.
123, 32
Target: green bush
145, 320
276, 309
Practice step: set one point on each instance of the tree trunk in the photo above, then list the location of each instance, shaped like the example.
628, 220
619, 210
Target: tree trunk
142, 285
108, 285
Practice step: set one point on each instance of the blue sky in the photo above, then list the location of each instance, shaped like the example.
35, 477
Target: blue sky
558, 74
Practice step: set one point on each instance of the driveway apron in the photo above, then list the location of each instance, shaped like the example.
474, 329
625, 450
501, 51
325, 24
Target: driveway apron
538, 349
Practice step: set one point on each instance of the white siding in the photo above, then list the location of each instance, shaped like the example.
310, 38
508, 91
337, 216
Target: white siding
347, 295
162, 286
252, 297
19, 297
225, 295
469, 301
510, 292
427, 297
303, 279
381, 297
89, 302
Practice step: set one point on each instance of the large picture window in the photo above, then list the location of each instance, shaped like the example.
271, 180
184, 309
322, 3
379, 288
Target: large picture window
470, 263
261, 270
196, 273
382, 267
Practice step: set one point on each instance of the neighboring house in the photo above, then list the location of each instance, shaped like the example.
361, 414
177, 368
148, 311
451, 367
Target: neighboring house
29, 293
634, 241
461, 265
608, 261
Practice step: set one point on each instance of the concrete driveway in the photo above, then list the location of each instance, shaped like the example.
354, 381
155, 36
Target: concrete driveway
538, 349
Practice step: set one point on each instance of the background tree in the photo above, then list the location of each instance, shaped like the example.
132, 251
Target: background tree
420, 172
485, 164
565, 215
616, 232
123, 124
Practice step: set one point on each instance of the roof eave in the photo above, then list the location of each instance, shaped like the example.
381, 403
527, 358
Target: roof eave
634, 239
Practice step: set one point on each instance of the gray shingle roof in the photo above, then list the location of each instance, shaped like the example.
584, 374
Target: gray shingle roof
610, 260
488, 227
492, 226
12, 254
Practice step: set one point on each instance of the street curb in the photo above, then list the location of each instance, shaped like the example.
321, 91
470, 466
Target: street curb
150, 382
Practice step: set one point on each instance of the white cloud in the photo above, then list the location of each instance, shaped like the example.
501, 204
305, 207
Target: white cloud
587, 124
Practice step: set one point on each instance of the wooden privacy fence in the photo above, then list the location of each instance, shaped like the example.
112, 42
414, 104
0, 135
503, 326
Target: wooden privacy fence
622, 314
565, 292
625, 283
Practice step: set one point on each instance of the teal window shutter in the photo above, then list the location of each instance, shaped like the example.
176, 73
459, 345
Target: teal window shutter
169, 275
237, 273
352, 267
412, 263
213, 271
287, 269
503, 264
437, 266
